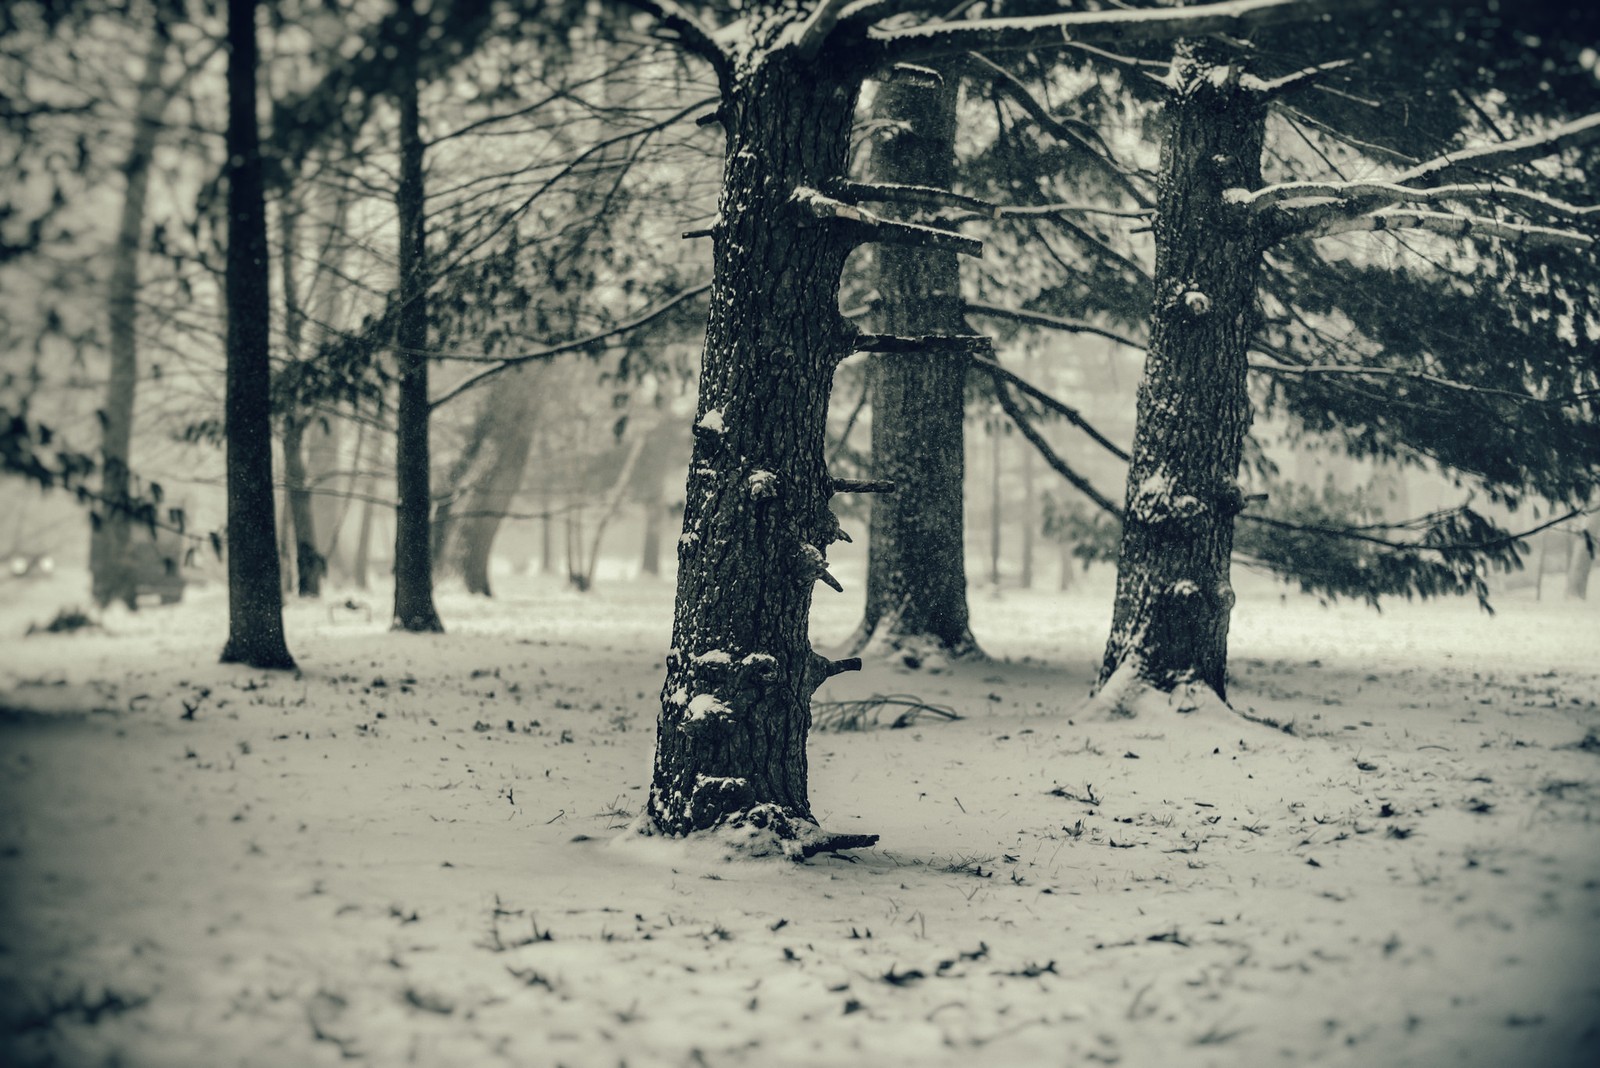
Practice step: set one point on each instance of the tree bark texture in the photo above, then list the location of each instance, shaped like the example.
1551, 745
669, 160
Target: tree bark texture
255, 602
112, 578
413, 558
735, 704
916, 565
1170, 624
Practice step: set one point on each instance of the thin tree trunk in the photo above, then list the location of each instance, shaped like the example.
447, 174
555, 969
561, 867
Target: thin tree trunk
608, 510
995, 503
309, 564
735, 704
360, 566
505, 429
1169, 628
255, 603
1581, 562
916, 597
413, 558
113, 578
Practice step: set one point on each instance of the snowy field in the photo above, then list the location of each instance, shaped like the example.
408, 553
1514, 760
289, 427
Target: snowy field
414, 852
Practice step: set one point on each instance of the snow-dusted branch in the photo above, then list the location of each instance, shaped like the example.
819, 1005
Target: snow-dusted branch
917, 196
1497, 157
1276, 88
1359, 196
1053, 322
1452, 226
1071, 415
869, 226
1008, 404
695, 37
1236, 17
551, 351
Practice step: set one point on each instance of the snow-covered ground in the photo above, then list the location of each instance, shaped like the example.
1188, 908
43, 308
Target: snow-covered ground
412, 852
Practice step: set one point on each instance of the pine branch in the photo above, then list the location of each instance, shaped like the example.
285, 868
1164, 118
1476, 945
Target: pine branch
1352, 199
551, 351
1422, 376
868, 226
1277, 88
1053, 322
862, 485
1079, 135
1354, 534
1071, 415
1009, 405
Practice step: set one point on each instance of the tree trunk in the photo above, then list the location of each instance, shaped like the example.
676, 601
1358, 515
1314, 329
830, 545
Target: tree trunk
1169, 630
309, 564
916, 567
111, 576
413, 558
360, 566
507, 425
995, 503
1581, 561
735, 704
255, 603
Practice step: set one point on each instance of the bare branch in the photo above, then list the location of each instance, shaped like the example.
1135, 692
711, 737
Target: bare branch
1353, 534
1071, 415
695, 38
1359, 197
1053, 322
1009, 405
919, 196
551, 351
872, 227
862, 485
926, 344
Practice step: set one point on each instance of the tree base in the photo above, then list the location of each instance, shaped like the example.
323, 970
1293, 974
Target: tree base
919, 652
1130, 693
418, 625
764, 831
266, 659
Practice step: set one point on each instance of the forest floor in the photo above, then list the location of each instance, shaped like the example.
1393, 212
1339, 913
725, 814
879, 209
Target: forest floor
414, 850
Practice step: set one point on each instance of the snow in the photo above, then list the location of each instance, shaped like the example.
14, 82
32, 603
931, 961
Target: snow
704, 705
712, 421
415, 850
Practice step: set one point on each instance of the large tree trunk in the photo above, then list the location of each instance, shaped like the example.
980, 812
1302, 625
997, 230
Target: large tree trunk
111, 576
916, 567
735, 704
1169, 630
255, 603
413, 559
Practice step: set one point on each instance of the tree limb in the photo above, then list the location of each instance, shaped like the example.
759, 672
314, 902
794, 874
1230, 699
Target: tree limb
1053, 322
1009, 405
1071, 415
1451, 226
551, 351
870, 226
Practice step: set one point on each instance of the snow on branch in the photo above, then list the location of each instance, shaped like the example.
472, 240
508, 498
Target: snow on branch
1452, 226
1276, 88
814, 31
873, 227
1236, 17
1071, 415
1008, 404
1053, 322
920, 196
551, 351
926, 344
1498, 157
1357, 198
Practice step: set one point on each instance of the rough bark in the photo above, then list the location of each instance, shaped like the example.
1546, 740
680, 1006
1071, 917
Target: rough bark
916, 568
1169, 629
413, 558
255, 602
112, 576
1581, 561
735, 704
